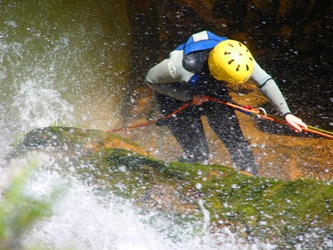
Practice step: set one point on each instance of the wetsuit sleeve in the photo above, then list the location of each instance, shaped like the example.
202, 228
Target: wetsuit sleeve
162, 76
269, 88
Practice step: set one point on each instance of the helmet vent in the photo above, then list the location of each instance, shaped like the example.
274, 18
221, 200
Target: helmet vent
231, 61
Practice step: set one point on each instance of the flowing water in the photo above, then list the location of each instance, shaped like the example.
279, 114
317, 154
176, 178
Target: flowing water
61, 62
65, 63
84, 219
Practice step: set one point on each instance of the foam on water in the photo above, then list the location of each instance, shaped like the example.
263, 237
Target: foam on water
86, 219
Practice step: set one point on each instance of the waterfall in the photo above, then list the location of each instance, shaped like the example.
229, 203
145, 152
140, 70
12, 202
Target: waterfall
61, 64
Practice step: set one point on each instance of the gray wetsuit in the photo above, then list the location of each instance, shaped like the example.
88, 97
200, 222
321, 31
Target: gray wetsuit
181, 76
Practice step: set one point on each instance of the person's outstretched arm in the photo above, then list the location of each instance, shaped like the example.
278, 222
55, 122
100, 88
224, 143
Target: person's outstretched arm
269, 88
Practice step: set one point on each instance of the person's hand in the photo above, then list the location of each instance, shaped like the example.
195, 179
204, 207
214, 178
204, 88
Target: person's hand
199, 99
295, 122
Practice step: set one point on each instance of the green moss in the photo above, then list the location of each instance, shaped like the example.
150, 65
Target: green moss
243, 200
19, 211
262, 207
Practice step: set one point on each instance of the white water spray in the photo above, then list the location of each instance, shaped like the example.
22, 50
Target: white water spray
63, 75
83, 219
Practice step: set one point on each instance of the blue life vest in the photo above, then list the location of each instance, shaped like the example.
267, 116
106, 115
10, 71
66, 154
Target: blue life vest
198, 42
201, 41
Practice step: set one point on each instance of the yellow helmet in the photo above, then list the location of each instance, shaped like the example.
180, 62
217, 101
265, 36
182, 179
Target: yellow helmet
231, 61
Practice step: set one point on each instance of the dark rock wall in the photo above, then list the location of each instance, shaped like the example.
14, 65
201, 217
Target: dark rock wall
290, 31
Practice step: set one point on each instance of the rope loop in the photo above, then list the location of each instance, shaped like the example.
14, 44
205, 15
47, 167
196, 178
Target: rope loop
262, 112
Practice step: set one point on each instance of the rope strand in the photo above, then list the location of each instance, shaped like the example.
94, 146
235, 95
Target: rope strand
246, 110
151, 122
309, 129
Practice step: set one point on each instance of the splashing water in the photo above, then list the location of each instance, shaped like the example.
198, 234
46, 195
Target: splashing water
41, 107
86, 220
71, 75
63, 68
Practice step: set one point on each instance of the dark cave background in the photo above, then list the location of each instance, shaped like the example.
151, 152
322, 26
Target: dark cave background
291, 40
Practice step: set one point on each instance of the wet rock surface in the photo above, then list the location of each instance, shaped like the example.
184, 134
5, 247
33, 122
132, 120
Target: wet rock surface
283, 213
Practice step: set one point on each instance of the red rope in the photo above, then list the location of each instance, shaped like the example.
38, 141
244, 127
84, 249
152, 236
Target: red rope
245, 109
237, 107
303, 129
152, 122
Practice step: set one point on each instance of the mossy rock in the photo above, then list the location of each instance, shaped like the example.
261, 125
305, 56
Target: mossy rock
70, 140
278, 211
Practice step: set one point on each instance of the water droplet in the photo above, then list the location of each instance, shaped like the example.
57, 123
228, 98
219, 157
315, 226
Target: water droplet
198, 186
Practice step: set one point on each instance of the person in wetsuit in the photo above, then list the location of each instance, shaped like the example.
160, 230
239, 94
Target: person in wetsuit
199, 68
